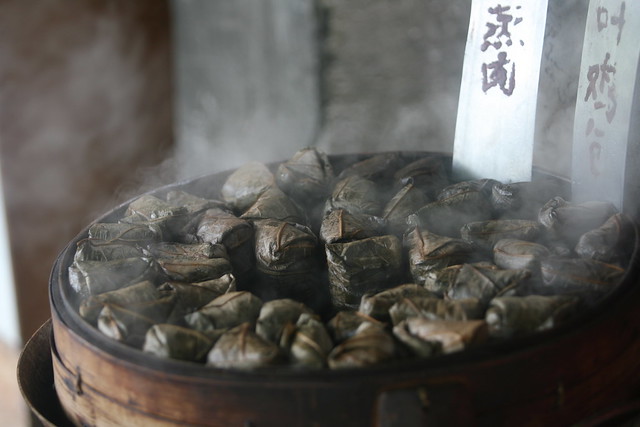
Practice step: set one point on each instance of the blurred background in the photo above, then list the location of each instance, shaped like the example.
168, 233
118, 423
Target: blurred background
103, 99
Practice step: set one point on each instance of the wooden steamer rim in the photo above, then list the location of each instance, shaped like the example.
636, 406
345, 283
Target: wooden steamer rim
560, 376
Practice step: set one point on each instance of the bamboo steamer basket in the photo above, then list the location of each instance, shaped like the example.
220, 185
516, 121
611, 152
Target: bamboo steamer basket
585, 370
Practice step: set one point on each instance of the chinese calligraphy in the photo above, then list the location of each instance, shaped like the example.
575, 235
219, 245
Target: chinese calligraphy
498, 76
497, 107
498, 36
601, 88
603, 72
617, 21
595, 148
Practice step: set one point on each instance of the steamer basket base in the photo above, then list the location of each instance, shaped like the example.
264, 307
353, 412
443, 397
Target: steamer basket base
35, 378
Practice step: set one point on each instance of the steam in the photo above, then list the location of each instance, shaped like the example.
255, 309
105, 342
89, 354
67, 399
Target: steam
246, 87
208, 141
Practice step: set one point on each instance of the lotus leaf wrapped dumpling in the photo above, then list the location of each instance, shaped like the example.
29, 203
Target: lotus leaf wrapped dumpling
377, 305
379, 168
96, 277
355, 195
438, 281
217, 226
275, 204
130, 326
275, 314
283, 246
125, 233
193, 269
242, 348
429, 252
404, 203
170, 250
308, 342
159, 310
589, 279
428, 174
370, 345
558, 248
485, 234
362, 266
99, 250
509, 316
568, 221
196, 207
287, 259
177, 342
306, 177
220, 227
243, 187
519, 254
452, 335
129, 296
486, 283
436, 309
222, 285
447, 215
608, 243
226, 311
522, 200
484, 186
189, 297
342, 226
151, 209
417, 346
507, 197
193, 204
345, 324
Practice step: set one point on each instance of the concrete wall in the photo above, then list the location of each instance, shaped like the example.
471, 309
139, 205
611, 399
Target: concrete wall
386, 77
259, 80
246, 81
392, 73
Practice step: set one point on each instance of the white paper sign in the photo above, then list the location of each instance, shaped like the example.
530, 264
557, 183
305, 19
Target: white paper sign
605, 136
497, 105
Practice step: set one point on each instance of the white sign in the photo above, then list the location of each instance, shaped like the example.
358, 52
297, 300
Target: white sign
497, 105
605, 136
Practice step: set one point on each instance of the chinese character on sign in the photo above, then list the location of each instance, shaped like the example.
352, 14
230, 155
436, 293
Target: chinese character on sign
499, 75
616, 21
602, 74
601, 87
595, 148
495, 72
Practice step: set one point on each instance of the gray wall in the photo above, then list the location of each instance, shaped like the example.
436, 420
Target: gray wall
393, 73
246, 81
260, 79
